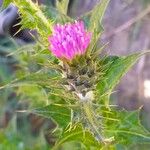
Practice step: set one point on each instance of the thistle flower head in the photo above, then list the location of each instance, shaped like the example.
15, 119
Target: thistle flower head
69, 40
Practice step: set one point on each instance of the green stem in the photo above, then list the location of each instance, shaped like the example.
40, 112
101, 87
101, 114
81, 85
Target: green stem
92, 120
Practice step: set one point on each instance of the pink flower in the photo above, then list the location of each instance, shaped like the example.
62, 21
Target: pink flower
69, 40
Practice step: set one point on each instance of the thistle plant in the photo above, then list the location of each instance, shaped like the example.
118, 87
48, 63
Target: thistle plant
69, 43
75, 80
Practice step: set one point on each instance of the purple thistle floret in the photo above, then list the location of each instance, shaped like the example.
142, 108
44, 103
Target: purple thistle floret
69, 40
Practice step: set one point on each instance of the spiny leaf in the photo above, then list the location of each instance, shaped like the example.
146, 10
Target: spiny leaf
47, 79
117, 67
59, 113
33, 17
79, 135
127, 130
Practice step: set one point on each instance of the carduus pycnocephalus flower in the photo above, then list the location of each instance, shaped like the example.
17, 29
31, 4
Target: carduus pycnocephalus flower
69, 40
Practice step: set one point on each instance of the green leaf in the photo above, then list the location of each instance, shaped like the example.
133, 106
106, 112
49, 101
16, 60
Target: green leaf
38, 78
59, 113
78, 134
95, 22
33, 18
97, 15
125, 127
32, 93
62, 6
116, 68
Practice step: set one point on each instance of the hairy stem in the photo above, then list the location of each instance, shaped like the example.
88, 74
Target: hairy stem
93, 122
